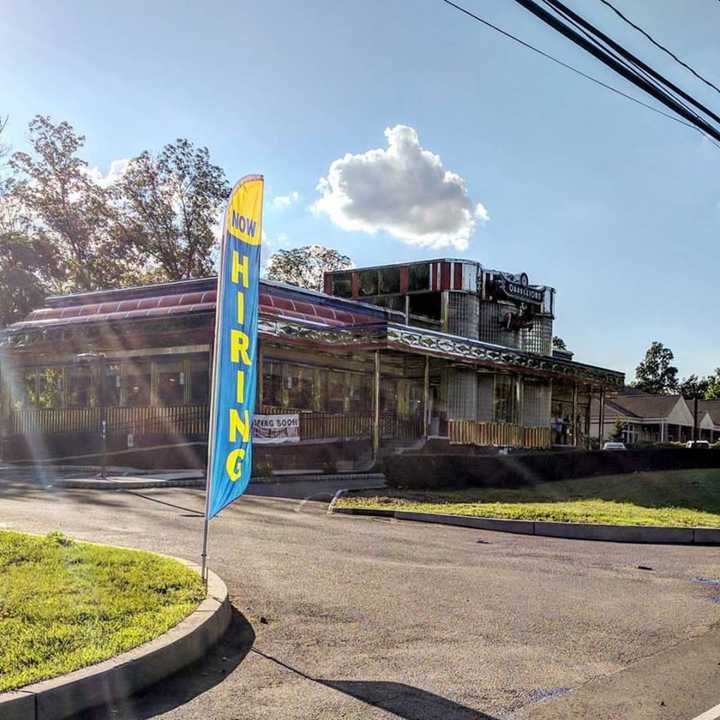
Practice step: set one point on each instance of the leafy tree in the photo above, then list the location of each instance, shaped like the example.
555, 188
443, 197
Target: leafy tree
170, 206
64, 209
22, 260
712, 391
655, 374
618, 429
23, 263
558, 343
693, 386
304, 266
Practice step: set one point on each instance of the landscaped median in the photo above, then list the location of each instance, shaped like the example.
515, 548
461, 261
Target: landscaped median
687, 501
67, 605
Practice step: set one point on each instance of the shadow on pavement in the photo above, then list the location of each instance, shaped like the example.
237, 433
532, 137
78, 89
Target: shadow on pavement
179, 689
403, 701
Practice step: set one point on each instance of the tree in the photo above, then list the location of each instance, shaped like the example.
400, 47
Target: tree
712, 391
170, 207
65, 210
304, 266
694, 387
618, 430
655, 374
558, 343
24, 261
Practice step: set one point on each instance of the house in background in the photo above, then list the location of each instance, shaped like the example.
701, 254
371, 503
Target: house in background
711, 417
655, 418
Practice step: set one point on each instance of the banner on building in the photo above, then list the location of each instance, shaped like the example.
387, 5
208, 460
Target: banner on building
273, 429
234, 379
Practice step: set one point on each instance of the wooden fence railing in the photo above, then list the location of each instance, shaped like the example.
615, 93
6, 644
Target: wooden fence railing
180, 419
194, 420
468, 432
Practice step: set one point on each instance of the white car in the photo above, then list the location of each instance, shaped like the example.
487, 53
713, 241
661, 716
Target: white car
698, 445
614, 446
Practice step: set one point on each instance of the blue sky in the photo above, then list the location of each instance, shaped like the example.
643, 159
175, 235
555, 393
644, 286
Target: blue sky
613, 205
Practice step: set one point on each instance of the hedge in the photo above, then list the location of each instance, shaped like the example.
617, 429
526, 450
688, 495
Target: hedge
451, 470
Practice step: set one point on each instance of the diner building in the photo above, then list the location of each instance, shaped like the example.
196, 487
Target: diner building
385, 358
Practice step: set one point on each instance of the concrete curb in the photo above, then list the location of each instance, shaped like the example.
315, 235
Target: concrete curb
124, 675
319, 477
573, 531
129, 484
139, 483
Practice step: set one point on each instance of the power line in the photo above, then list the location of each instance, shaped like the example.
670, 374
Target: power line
542, 53
607, 45
636, 79
627, 55
660, 45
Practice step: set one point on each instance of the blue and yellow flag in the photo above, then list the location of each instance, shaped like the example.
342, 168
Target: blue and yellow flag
234, 379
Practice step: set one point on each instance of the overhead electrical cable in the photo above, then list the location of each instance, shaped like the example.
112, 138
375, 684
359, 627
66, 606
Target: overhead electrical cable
669, 102
626, 54
568, 67
692, 124
598, 42
661, 46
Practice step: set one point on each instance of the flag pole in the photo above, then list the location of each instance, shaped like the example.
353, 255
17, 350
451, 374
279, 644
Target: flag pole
213, 401
242, 229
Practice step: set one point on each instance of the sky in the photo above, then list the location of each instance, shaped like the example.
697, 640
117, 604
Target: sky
401, 130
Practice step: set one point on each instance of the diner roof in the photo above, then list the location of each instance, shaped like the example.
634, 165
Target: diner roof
198, 296
288, 314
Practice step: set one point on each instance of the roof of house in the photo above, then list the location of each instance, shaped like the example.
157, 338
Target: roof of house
646, 405
712, 407
637, 404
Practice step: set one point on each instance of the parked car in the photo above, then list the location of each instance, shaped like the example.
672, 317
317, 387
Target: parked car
698, 444
614, 446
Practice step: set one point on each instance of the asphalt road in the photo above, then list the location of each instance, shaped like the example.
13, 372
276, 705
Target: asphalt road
351, 617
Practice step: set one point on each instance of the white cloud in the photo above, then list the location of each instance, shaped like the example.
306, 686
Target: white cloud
116, 171
283, 202
403, 190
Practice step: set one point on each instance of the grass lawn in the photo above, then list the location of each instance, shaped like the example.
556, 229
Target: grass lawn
66, 604
683, 498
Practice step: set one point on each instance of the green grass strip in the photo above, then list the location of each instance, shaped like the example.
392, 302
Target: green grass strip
66, 604
684, 498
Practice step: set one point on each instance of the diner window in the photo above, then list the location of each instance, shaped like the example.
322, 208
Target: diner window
368, 280
389, 280
80, 386
342, 285
137, 384
170, 382
427, 305
30, 386
359, 394
336, 392
199, 381
389, 396
300, 387
50, 388
419, 277
272, 384
113, 385
503, 399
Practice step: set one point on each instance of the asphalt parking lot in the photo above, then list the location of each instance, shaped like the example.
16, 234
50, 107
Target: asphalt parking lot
351, 617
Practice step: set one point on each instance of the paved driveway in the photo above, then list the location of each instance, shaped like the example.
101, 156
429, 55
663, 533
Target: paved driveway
342, 617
